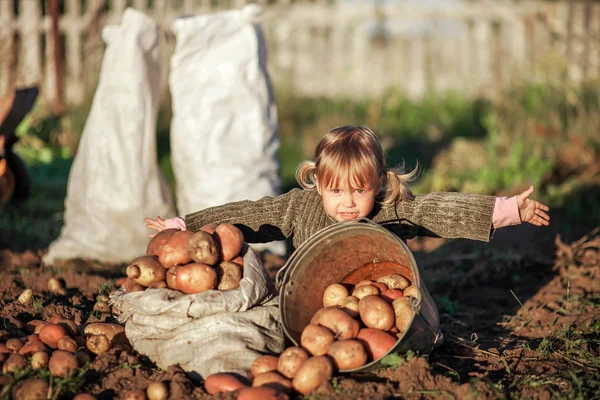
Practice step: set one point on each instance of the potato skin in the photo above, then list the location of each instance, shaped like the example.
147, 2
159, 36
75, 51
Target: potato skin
264, 364
230, 240
290, 360
62, 363
274, 380
377, 343
261, 393
334, 295
195, 278
174, 252
365, 290
158, 241
395, 281
31, 389
391, 294
376, 313
316, 339
203, 248
412, 291
404, 313
350, 306
312, 373
222, 382
229, 275
347, 354
342, 325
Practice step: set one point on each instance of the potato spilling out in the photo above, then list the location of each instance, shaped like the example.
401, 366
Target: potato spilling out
222, 383
195, 278
203, 248
229, 275
230, 239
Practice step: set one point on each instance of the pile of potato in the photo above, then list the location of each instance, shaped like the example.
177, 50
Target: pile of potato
190, 262
357, 324
56, 344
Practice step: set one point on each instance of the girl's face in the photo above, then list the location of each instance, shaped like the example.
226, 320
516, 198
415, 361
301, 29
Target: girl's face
344, 203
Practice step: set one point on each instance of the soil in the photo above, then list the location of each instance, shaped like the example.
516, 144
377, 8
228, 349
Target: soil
504, 309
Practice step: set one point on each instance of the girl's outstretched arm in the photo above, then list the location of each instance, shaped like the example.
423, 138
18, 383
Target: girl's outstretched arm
532, 211
157, 225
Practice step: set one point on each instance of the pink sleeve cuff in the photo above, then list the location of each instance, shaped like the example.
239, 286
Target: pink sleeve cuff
506, 212
175, 223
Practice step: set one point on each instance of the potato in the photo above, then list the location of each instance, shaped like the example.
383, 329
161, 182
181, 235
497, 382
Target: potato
14, 344
203, 248
381, 286
376, 313
62, 363
171, 278
174, 252
316, 339
264, 364
261, 393
239, 260
13, 363
146, 270
274, 380
395, 281
404, 313
157, 391
312, 373
290, 360
363, 283
391, 294
195, 278
230, 240
157, 285
55, 286
342, 325
103, 307
67, 344
347, 354
132, 286
377, 343
39, 360
98, 344
412, 291
334, 295
33, 325
50, 334
114, 332
229, 275
209, 228
365, 290
69, 326
350, 306
222, 382
31, 389
34, 346
25, 296
158, 241
84, 396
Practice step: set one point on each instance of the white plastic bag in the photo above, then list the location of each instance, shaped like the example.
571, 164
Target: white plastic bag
224, 131
115, 181
209, 332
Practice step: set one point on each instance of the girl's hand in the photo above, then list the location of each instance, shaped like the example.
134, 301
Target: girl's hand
157, 224
532, 211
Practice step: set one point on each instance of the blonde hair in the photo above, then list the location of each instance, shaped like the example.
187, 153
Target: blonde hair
355, 152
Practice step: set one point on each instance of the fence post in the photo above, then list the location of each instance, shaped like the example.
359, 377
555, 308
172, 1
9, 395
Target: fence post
30, 69
7, 61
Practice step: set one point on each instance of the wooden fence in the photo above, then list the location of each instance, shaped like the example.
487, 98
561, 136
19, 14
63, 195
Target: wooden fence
333, 48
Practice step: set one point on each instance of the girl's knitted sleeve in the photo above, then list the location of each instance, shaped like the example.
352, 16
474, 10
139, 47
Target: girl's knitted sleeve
444, 214
261, 221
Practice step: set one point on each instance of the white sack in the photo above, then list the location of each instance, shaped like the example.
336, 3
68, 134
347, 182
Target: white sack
224, 131
209, 332
115, 181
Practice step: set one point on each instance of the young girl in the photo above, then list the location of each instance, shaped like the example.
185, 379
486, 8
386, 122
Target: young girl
349, 180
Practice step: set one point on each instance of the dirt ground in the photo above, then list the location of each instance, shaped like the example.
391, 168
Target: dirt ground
521, 319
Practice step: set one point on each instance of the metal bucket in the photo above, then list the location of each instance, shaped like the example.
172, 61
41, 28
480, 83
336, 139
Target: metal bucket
349, 252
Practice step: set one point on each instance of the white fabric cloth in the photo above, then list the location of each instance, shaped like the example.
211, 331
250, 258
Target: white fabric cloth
224, 131
209, 332
115, 181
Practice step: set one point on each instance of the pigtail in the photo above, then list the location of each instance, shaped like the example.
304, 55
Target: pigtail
395, 187
306, 174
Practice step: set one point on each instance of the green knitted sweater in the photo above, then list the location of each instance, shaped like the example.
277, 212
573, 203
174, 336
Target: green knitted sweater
299, 214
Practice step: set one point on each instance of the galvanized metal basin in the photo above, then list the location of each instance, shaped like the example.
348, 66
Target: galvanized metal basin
349, 252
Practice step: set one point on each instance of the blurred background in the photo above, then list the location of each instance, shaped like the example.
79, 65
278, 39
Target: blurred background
487, 96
